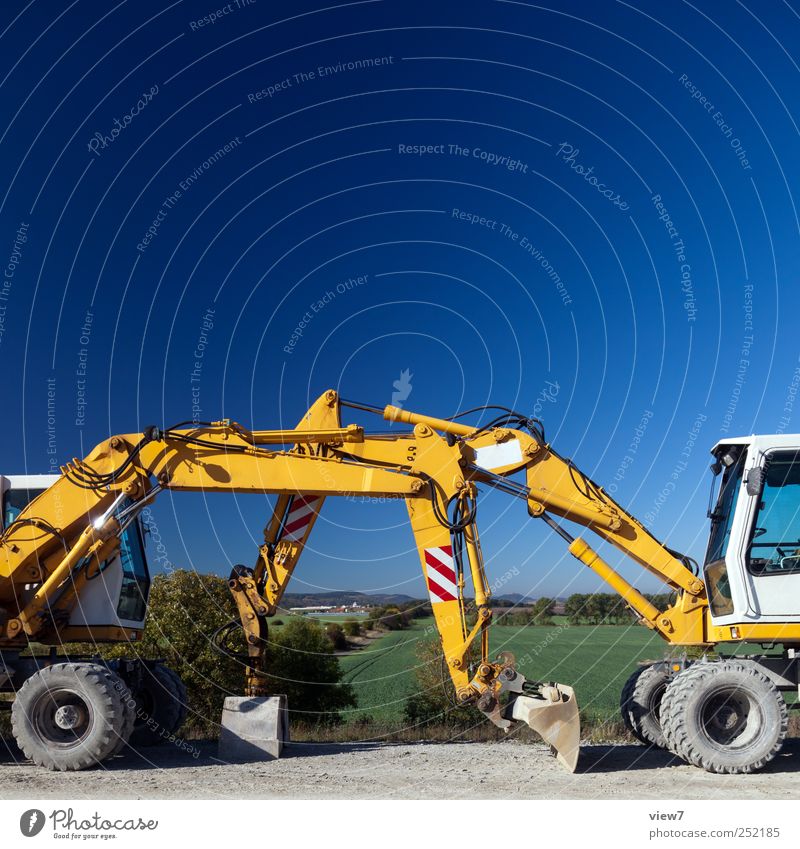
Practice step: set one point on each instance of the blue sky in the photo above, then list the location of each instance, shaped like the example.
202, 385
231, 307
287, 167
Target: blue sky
584, 211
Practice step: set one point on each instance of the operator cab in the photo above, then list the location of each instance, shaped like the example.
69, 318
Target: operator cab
117, 597
752, 564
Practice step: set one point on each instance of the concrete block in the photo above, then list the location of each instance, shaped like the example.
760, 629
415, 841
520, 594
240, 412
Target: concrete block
253, 729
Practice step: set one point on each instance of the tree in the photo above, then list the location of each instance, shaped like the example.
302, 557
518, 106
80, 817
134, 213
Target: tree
418, 609
573, 608
619, 612
542, 611
302, 666
606, 608
594, 608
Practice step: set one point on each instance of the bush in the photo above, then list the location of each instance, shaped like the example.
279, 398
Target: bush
302, 666
185, 610
433, 701
420, 610
335, 633
352, 628
392, 618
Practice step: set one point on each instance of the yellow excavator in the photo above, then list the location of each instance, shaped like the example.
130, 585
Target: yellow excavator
73, 568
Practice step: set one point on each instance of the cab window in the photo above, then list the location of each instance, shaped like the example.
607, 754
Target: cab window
135, 578
725, 509
775, 537
15, 501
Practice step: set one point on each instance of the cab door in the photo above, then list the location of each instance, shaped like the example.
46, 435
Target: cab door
772, 552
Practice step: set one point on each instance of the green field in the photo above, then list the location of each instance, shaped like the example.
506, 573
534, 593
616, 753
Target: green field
382, 674
595, 660
282, 618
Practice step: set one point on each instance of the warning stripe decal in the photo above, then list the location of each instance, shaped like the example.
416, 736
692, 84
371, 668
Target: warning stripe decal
301, 511
441, 574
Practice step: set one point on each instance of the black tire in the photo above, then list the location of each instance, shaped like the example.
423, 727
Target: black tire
640, 703
160, 706
129, 710
182, 697
725, 717
624, 699
70, 716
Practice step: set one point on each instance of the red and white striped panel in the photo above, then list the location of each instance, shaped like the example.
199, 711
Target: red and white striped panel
441, 574
302, 510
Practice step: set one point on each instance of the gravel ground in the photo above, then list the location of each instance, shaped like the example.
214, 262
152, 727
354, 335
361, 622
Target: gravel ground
508, 770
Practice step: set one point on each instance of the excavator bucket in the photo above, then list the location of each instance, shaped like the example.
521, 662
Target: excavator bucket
552, 713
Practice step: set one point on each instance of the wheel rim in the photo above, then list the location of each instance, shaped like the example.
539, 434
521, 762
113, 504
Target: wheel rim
731, 718
62, 718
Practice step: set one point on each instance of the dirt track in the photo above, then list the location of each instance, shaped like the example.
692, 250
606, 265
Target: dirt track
403, 771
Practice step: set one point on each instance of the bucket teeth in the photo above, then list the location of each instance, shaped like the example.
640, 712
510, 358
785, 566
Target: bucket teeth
552, 712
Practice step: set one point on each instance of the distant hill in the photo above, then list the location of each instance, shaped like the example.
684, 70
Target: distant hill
514, 598
336, 599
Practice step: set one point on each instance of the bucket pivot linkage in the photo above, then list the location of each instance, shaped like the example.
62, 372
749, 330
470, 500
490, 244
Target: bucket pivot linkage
550, 709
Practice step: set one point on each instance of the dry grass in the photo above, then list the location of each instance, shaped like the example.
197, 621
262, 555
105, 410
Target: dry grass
591, 732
